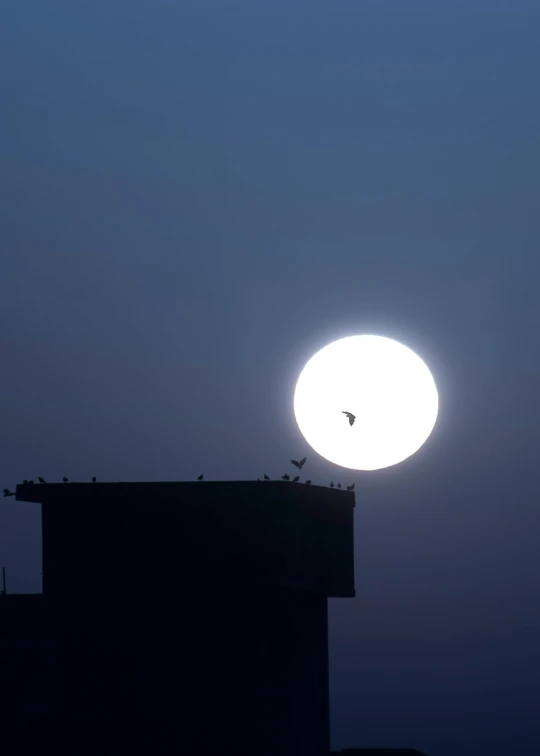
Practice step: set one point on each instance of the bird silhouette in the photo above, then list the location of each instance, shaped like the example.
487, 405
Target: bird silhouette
25, 481
295, 480
300, 464
94, 479
285, 477
265, 476
332, 484
65, 480
339, 485
351, 417
200, 477
41, 480
308, 482
351, 487
7, 492
30, 481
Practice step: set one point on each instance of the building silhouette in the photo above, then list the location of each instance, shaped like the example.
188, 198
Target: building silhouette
180, 617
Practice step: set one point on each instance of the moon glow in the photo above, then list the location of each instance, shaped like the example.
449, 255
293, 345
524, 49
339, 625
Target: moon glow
384, 383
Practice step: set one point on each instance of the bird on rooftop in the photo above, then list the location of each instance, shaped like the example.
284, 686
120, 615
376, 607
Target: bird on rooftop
30, 481
332, 484
265, 476
41, 480
94, 479
200, 477
25, 481
350, 415
285, 477
65, 480
308, 482
295, 480
339, 485
350, 488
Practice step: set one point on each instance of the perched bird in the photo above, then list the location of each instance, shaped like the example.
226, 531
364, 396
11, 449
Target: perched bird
332, 484
265, 476
308, 482
41, 480
339, 485
200, 477
351, 417
25, 481
7, 492
295, 480
30, 481
300, 464
65, 480
350, 488
285, 477
94, 479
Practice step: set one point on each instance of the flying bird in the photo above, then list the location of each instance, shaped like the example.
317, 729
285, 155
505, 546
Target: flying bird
351, 417
308, 482
65, 480
265, 476
285, 477
41, 480
300, 464
332, 484
295, 480
94, 479
350, 488
339, 485
200, 477
7, 492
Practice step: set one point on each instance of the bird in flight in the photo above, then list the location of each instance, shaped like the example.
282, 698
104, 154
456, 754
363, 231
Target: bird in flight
200, 477
350, 415
7, 492
300, 464
41, 480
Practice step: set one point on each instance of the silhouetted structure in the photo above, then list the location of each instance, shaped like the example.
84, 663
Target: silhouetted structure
190, 616
379, 752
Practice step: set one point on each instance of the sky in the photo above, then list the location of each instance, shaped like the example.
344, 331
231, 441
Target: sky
198, 196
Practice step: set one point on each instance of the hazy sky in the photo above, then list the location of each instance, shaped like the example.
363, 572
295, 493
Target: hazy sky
195, 197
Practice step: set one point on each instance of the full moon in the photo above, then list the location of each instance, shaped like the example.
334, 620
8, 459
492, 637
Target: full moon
386, 387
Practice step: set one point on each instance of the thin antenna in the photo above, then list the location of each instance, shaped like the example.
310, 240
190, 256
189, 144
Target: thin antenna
3, 593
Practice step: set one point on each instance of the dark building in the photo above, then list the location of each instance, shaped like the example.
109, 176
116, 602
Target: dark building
185, 617
379, 752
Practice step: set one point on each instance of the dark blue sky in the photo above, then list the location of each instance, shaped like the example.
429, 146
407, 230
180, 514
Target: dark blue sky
195, 197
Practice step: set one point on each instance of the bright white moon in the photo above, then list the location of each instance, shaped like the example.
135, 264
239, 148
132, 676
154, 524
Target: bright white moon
384, 384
